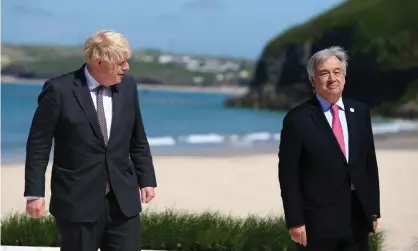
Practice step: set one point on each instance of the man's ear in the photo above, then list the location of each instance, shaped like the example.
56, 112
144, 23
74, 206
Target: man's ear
99, 62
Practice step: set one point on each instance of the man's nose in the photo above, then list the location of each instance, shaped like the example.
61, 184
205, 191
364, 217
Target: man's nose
332, 78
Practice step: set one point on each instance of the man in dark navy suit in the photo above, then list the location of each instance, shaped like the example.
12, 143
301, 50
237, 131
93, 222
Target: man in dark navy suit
102, 167
327, 163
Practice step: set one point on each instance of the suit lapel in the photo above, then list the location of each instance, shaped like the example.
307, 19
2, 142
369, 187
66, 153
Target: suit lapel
116, 109
352, 130
321, 122
82, 94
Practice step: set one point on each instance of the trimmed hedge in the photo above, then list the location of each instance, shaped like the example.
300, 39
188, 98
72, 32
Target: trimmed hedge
175, 231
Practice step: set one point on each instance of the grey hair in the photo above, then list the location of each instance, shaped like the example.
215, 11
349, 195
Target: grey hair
324, 54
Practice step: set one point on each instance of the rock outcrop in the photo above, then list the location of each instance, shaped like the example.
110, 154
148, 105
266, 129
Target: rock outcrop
381, 38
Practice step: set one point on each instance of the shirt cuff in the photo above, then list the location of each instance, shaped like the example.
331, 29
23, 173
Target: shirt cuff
33, 198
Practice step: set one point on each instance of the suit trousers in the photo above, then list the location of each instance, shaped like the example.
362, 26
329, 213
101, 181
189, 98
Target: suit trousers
113, 231
357, 241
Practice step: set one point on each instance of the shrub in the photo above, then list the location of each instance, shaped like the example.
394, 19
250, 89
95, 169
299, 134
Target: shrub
175, 231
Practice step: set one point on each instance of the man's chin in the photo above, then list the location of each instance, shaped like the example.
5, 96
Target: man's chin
334, 91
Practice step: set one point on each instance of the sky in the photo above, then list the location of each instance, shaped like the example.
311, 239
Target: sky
237, 28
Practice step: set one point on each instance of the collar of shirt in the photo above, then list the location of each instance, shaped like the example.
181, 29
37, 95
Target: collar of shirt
326, 106
91, 82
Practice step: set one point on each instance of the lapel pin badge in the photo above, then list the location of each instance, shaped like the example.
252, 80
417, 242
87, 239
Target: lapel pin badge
351, 109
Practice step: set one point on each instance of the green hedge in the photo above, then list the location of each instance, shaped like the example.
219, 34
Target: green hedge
175, 231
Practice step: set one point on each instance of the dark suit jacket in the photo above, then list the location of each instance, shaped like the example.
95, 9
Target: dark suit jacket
66, 114
315, 178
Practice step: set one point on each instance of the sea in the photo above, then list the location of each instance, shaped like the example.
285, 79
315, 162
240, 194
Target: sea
176, 123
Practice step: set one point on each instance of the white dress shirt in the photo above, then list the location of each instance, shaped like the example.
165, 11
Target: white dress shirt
107, 98
107, 105
326, 108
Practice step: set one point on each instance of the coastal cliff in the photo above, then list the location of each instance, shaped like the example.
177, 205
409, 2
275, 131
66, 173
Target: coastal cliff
381, 38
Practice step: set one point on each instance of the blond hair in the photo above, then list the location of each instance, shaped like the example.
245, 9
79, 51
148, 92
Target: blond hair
108, 46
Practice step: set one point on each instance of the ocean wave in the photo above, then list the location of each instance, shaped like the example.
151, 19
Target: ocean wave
262, 137
395, 126
234, 140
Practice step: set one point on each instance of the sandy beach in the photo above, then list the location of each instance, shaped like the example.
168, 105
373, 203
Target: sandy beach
247, 184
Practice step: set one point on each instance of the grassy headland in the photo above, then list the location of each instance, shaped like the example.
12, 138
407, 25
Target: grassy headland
381, 37
148, 66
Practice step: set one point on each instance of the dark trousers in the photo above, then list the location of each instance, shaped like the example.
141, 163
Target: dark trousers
112, 232
357, 241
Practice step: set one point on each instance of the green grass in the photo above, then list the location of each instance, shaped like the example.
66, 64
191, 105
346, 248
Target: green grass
176, 231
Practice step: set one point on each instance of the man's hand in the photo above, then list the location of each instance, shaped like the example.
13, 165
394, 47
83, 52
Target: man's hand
374, 226
147, 194
298, 234
35, 208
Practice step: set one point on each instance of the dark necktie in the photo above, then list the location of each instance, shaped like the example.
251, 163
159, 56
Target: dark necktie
102, 122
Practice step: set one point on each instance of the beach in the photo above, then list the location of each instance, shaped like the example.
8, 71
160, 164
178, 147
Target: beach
243, 184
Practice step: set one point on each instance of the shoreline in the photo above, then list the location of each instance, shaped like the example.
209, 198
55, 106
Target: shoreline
235, 90
247, 185
243, 181
396, 141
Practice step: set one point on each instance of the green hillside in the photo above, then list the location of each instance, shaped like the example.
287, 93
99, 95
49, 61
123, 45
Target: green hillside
46, 61
387, 26
381, 37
